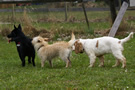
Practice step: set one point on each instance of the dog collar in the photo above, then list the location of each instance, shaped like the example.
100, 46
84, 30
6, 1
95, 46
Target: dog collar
9, 41
18, 44
40, 47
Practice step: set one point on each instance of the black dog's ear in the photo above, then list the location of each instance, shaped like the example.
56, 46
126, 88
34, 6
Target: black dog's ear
14, 27
19, 27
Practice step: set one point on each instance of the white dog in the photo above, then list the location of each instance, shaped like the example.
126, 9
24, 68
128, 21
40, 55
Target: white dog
48, 52
99, 46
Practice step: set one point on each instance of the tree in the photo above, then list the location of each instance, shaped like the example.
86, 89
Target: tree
113, 10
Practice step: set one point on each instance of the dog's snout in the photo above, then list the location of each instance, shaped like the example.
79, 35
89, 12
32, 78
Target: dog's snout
81, 52
9, 36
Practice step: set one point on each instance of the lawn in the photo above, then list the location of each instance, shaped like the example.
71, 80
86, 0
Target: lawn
79, 76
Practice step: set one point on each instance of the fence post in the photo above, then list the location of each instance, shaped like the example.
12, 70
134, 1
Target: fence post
65, 11
85, 15
118, 19
13, 14
113, 10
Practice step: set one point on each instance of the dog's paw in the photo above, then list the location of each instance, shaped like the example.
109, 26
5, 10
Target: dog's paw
123, 67
100, 65
113, 65
90, 66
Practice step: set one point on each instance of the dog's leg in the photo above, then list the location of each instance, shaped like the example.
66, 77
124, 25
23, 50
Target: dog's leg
42, 63
92, 60
43, 59
124, 62
23, 61
33, 58
68, 62
117, 63
22, 58
66, 59
29, 60
101, 58
50, 62
118, 55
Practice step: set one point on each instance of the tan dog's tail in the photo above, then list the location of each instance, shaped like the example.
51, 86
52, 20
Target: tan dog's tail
72, 41
127, 38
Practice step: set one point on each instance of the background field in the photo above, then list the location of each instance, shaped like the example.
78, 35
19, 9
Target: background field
79, 76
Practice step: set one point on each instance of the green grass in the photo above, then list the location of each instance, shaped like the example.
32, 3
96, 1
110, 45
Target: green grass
92, 15
7, 17
79, 76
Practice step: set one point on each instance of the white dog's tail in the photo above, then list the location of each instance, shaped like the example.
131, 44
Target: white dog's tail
127, 38
72, 41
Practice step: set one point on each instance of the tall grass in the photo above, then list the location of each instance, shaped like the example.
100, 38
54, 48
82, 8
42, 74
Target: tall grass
54, 21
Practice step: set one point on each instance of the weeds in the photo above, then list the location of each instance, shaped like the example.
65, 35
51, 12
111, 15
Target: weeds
5, 32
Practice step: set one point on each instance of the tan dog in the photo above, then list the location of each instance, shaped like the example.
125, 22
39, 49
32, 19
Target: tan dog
48, 52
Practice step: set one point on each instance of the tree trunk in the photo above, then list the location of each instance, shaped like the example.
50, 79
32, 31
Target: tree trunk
113, 10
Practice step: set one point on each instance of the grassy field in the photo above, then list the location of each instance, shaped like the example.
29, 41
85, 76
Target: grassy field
54, 21
79, 76
76, 20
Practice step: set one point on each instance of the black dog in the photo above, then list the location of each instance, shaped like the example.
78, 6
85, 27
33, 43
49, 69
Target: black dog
24, 45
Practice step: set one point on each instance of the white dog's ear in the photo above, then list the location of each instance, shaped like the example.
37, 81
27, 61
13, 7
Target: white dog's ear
46, 39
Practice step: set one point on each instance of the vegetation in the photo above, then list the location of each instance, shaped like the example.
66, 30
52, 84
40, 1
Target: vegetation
55, 23
79, 76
